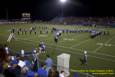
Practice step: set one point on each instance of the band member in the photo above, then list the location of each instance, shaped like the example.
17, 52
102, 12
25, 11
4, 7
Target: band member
84, 59
12, 35
42, 47
25, 31
18, 31
56, 39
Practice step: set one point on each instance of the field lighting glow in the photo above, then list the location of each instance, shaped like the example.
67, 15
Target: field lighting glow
63, 1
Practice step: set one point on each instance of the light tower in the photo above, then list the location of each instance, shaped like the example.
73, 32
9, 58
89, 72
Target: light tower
62, 3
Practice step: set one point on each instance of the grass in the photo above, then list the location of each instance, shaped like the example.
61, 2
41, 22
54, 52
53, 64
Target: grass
99, 57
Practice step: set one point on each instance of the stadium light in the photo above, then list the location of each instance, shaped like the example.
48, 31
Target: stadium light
63, 1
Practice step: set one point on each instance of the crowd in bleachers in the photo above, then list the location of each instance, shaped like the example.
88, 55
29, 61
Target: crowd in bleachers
85, 20
19, 65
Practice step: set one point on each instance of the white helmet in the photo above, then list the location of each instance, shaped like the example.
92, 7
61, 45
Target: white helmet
85, 52
22, 52
34, 51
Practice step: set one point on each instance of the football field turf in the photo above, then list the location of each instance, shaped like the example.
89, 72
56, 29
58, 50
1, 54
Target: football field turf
101, 50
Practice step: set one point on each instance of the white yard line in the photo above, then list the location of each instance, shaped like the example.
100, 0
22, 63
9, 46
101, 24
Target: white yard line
82, 50
66, 47
73, 36
92, 52
105, 43
74, 49
103, 54
78, 53
79, 43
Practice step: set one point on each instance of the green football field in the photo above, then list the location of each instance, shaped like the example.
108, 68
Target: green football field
101, 50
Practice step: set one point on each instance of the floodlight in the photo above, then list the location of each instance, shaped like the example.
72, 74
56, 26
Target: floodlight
63, 1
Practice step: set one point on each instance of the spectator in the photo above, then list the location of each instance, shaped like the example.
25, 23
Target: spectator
1, 69
7, 72
61, 74
41, 71
24, 72
35, 65
53, 72
22, 53
1, 75
49, 63
30, 73
6, 49
36, 75
4, 58
15, 69
3, 54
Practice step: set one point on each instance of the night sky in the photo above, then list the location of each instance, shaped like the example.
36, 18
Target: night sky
48, 9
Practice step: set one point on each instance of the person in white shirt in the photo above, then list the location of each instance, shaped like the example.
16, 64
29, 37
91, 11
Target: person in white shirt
22, 53
62, 74
7, 49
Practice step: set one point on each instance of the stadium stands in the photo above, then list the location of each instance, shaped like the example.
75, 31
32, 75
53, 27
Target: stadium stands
20, 66
86, 21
